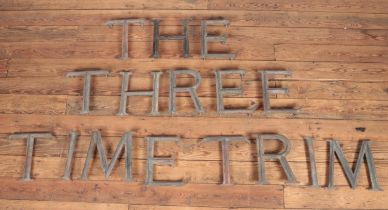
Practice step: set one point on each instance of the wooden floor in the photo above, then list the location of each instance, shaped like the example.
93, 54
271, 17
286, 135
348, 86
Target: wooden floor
337, 51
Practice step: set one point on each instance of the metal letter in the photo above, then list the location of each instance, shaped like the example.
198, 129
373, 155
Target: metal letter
281, 156
152, 160
365, 152
313, 164
225, 154
153, 93
30, 137
205, 38
70, 155
267, 90
96, 141
87, 83
220, 91
158, 37
124, 38
174, 89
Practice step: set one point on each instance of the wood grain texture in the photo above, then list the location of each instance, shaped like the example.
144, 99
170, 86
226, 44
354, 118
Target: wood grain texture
341, 197
48, 205
337, 52
119, 192
344, 71
237, 18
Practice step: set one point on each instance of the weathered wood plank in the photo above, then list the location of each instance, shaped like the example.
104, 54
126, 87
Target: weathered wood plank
306, 108
263, 52
111, 86
112, 4
65, 50
341, 197
292, 52
374, 6
28, 104
185, 126
4, 67
237, 18
119, 192
193, 149
192, 172
241, 35
48, 205
300, 70
109, 105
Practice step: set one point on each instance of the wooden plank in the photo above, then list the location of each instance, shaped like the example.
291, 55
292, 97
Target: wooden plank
263, 52
300, 70
109, 105
28, 104
192, 172
185, 126
306, 108
66, 50
112, 4
373, 6
48, 205
292, 52
193, 149
241, 35
172, 17
111, 86
3, 67
341, 197
119, 192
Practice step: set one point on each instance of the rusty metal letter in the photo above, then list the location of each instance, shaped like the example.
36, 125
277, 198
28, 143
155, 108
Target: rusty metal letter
281, 156
96, 141
30, 137
70, 155
205, 38
87, 83
226, 179
267, 90
237, 91
174, 89
158, 37
313, 165
365, 152
124, 38
153, 93
152, 160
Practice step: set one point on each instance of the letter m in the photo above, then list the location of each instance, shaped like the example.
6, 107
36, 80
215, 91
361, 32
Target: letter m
96, 142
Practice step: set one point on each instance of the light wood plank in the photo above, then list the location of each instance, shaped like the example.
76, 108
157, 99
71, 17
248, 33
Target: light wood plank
349, 71
185, 126
119, 192
49, 205
237, 18
341, 197
112, 4
240, 35
374, 6
291, 52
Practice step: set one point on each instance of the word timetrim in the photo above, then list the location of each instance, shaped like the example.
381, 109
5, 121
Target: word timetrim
220, 90
96, 143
